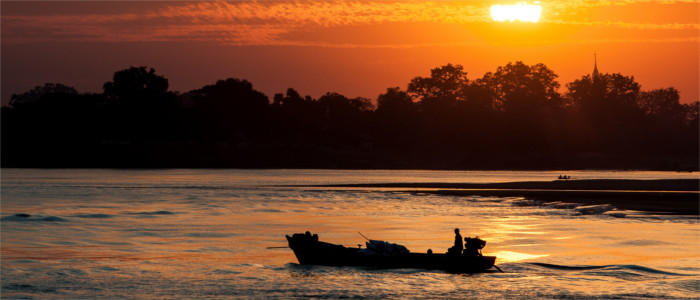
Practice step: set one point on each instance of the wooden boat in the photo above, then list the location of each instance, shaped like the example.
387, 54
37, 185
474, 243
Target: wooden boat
310, 251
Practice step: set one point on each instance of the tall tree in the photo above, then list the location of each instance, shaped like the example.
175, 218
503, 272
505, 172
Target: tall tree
606, 92
522, 88
231, 109
609, 105
446, 82
136, 84
527, 97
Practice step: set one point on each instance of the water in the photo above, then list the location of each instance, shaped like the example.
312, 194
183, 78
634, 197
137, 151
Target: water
204, 234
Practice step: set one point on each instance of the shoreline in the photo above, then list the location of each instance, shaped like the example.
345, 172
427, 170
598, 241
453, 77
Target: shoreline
671, 196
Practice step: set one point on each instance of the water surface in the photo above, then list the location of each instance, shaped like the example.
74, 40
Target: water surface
205, 233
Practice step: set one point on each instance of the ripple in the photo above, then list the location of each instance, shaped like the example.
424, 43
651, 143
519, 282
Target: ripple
615, 270
67, 272
692, 285
29, 218
160, 212
25, 261
650, 270
225, 272
208, 235
94, 216
642, 243
562, 267
27, 288
268, 210
105, 269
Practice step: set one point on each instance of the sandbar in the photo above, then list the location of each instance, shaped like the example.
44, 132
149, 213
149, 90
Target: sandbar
666, 196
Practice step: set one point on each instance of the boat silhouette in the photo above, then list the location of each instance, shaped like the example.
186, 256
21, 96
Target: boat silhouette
310, 251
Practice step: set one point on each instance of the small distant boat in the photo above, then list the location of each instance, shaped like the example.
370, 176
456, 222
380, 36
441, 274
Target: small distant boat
310, 251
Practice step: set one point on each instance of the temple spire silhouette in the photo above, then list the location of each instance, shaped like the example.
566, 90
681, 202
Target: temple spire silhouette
595, 74
598, 85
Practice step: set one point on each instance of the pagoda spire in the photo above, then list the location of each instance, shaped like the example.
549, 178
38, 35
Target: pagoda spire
595, 66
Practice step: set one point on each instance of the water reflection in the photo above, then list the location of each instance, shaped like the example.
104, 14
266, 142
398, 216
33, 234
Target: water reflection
511, 256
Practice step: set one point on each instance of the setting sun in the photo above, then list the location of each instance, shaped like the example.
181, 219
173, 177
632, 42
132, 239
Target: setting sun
521, 12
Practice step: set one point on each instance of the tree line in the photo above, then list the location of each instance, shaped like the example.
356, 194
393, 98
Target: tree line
512, 118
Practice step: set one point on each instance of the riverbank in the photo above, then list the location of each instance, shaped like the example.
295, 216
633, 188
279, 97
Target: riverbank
674, 196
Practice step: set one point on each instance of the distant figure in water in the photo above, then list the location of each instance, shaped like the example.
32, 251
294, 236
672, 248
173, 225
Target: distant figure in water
564, 177
457, 248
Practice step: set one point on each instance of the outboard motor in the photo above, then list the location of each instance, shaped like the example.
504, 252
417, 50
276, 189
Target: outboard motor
473, 246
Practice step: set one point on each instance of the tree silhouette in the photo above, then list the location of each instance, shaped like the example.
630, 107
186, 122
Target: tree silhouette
606, 92
230, 110
667, 120
662, 104
297, 116
608, 104
446, 82
480, 97
395, 118
511, 118
139, 107
40, 91
395, 102
136, 84
292, 100
522, 88
528, 97
692, 114
339, 106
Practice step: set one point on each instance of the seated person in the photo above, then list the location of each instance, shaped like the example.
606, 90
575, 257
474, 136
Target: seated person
457, 248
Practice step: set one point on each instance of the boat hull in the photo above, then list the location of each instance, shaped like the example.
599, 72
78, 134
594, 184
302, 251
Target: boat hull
310, 251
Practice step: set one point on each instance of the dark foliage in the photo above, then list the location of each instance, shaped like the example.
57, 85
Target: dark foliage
513, 118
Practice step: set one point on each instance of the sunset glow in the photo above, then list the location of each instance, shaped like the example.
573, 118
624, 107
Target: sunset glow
436, 149
516, 12
336, 43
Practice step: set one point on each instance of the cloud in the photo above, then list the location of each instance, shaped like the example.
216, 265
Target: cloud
268, 22
630, 40
333, 13
579, 4
628, 25
236, 22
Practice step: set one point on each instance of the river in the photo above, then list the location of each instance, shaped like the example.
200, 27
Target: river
144, 234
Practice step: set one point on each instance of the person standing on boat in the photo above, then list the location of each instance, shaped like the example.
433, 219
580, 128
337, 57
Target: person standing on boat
457, 248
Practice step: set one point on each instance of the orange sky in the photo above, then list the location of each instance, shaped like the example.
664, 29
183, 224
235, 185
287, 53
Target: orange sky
356, 48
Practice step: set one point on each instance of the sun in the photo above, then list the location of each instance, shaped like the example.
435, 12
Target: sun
521, 12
